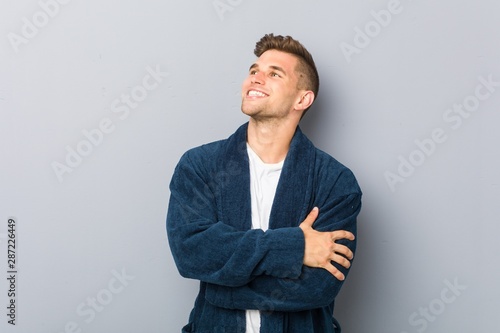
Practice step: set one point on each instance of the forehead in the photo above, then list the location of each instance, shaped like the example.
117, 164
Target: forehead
278, 58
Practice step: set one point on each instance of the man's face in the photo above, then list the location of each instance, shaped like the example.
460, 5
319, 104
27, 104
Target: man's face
270, 90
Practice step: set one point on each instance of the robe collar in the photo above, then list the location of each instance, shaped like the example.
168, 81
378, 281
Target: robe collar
294, 196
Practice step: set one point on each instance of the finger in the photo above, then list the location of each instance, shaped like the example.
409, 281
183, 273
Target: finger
344, 250
342, 234
341, 260
311, 217
335, 272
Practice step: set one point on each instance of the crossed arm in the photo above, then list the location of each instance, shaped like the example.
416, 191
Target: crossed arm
286, 269
324, 265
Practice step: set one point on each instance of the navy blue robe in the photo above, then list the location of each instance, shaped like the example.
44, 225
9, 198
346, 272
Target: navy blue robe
210, 236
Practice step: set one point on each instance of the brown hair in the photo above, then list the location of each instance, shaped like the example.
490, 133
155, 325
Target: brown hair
308, 74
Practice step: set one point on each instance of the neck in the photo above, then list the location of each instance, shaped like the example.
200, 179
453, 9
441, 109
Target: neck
270, 140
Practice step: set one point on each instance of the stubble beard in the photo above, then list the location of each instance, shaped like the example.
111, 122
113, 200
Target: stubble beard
261, 114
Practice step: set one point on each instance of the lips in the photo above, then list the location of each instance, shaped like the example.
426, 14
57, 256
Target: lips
256, 93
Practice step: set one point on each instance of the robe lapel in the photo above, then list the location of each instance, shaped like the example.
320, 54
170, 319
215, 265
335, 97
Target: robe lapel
293, 195
235, 208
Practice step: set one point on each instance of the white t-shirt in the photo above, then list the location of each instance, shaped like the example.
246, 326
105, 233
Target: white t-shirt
264, 179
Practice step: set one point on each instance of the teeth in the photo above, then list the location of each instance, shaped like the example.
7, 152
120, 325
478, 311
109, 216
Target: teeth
256, 93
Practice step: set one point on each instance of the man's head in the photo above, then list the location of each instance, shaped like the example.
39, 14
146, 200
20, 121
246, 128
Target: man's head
282, 81
306, 69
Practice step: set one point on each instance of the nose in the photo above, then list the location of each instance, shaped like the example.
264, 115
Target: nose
257, 78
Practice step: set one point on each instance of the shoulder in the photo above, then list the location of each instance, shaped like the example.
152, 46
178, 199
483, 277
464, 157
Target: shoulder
329, 175
333, 174
210, 155
203, 155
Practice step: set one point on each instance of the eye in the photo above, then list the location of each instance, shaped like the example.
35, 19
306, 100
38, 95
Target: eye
274, 74
253, 72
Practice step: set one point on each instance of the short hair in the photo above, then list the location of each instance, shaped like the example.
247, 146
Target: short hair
308, 74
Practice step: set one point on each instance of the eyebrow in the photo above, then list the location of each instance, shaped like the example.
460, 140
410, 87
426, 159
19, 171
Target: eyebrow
276, 68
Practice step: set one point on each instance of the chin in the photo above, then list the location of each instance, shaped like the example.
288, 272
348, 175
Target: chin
249, 111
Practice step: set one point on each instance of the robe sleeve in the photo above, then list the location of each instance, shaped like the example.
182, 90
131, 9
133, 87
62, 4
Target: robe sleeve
209, 250
315, 287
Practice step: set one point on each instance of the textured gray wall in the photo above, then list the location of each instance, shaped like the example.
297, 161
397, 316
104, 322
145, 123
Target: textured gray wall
98, 100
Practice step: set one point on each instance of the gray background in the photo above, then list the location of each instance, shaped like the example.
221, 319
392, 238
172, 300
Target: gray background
428, 244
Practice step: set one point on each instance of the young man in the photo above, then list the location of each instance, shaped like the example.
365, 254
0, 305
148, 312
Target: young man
242, 210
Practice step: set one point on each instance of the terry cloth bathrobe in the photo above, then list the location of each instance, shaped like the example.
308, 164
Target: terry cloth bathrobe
239, 268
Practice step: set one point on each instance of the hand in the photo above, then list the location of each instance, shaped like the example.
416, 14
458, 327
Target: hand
321, 249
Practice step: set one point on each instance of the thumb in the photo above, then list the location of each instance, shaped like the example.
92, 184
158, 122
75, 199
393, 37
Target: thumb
311, 217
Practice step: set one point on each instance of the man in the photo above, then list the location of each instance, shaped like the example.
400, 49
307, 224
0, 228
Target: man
242, 210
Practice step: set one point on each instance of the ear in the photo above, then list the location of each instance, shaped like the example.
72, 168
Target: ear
306, 98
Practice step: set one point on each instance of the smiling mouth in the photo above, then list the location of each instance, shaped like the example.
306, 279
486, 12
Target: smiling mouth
256, 93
